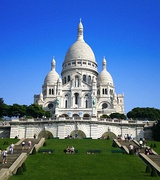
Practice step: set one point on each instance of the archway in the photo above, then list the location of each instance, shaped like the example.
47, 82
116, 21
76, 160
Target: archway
86, 116
78, 134
75, 116
45, 134
109, 135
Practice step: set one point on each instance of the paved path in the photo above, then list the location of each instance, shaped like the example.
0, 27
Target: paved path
16, 153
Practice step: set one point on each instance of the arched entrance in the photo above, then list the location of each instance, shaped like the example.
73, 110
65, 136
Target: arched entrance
78, 134
109, 135
45, 134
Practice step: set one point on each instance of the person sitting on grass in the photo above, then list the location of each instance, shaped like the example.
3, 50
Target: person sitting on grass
67, 150
72, 150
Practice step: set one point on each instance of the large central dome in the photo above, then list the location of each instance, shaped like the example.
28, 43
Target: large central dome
80, 49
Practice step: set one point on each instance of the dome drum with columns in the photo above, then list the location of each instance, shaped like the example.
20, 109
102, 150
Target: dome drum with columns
82, 91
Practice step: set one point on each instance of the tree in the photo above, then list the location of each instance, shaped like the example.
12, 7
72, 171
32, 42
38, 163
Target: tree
117, 116
35, 111
1, 107
156, 131
48, 114
144, 113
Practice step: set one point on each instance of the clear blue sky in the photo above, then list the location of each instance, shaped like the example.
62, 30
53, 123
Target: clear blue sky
126, 32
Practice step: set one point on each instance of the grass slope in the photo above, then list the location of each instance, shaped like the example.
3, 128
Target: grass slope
82, 165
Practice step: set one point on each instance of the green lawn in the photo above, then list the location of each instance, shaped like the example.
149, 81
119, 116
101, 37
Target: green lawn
82, 165
4, 143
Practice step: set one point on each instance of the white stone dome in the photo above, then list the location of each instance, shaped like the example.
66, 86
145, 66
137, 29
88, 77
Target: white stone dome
80, 49
52, 77
104, 77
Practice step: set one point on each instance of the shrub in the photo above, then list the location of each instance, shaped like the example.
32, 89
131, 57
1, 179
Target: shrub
19, 171
151, 145
34, 151
45, 144
154, 145
23, 167
154, 172
131, 152
114, 144
148, 169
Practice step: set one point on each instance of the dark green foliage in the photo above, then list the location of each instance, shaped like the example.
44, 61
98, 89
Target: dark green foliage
104, 116
131, 152
45, 144
35, 111
48, 114
5, 143
154, 172
156, 131
154, 145
117, 116
34, 151
23, 167
151, 146
114, 144
148, 169
144, 113
108, 137
19, 171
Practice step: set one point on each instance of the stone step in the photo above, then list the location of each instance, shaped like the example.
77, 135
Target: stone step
11, 158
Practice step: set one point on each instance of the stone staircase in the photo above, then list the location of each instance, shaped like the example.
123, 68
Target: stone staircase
152, 160
11, 158
134, 143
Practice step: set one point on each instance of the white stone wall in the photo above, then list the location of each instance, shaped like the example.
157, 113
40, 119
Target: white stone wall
62, 129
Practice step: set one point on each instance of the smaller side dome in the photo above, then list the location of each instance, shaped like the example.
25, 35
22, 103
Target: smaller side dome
104, 77
52, 77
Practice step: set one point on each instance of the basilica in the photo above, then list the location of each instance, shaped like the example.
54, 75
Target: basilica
80, 91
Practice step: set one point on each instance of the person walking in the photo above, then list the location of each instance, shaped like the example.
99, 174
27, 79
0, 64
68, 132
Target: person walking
4, 156
29, 144
11, 148
23, 144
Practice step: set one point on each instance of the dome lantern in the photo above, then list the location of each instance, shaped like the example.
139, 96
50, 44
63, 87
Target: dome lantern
80, 31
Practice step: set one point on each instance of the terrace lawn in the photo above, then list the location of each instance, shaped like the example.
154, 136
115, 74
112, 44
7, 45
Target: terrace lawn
81, 165
4, 143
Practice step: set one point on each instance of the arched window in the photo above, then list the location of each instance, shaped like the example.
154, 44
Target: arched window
76, 81
68, 78
52, 91
64, 80
89, 79
76, 98
49, 91
84, 77
106, 91
102, 91
86, 104
65, 103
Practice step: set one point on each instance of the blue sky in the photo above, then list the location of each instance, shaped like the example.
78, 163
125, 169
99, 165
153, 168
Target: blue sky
126, 32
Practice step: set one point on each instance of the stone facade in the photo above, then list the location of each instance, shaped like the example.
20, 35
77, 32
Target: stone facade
81, 91
87, 128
